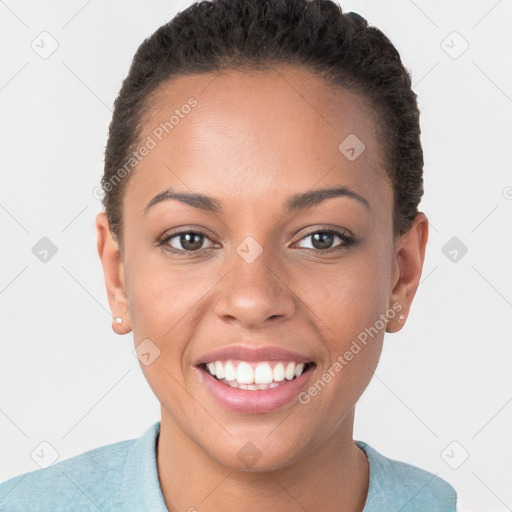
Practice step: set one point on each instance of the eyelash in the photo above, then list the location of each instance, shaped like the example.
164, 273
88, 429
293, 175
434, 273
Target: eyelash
346, 239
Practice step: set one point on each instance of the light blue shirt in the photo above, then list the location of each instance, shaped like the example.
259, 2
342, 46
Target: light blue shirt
123, 477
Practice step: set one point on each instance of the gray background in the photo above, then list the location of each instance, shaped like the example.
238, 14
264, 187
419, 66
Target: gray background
442, 391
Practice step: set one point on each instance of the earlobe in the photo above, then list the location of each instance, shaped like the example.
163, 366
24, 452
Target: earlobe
408, 261
396, 323
118, 324
113, 270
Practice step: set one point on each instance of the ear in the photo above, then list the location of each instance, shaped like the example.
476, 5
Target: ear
113, 270
408, 264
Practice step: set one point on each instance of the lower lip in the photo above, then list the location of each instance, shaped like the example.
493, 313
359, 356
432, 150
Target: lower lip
257, 401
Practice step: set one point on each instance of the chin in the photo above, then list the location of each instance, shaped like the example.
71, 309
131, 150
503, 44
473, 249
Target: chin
256, 451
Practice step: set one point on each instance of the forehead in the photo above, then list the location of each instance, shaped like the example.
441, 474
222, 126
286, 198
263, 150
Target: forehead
264, 131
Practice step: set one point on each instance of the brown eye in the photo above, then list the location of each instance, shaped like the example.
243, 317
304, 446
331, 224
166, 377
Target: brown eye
323, 240
184, 241
191, 241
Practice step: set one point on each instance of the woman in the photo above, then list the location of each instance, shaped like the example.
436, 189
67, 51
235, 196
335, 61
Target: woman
260, 235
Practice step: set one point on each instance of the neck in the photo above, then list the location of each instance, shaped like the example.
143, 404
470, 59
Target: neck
335, 475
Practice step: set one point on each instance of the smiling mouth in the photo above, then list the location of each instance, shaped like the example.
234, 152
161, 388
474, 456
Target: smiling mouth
255, 376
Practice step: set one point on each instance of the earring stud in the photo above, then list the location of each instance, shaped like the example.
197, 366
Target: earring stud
400, 318
119, 319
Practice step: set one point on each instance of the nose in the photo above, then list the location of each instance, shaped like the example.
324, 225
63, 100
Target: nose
256, 293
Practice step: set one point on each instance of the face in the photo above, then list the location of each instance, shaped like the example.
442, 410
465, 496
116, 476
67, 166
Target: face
257, 275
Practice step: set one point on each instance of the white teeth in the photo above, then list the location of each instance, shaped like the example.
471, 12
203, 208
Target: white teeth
279, 372
298, 369
251, 387
229, 371
244, 373
219, 370
263, 376
211, 368
289, 373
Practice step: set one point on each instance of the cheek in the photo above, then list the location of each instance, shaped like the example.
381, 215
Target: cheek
160, 313
158, 295
166, 306
351, 307
352, 297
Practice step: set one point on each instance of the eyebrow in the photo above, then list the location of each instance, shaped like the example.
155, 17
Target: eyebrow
296, 202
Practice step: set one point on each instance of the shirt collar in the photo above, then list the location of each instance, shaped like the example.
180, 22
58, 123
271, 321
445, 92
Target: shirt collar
140, 488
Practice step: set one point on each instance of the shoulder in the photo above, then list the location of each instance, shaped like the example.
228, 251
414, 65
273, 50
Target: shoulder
396, 485
84, 482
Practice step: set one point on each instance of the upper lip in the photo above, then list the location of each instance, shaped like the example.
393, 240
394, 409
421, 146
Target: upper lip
244, 353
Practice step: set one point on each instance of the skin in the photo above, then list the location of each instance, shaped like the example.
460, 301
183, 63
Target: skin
252, 141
